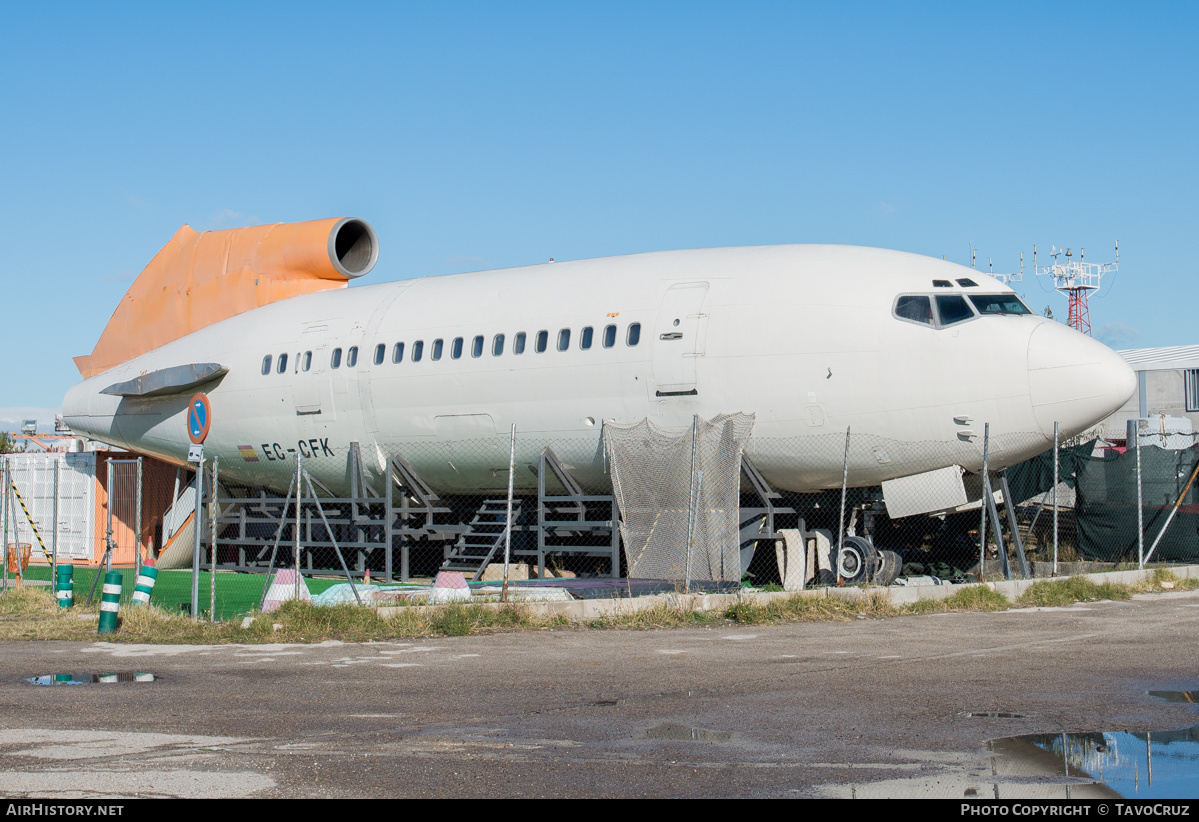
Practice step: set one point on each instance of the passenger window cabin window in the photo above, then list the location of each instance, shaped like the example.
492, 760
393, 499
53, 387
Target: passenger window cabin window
953, 309
397, 353
455, 348
418, 348
609, 336
476, 346
307, 360
497, 345
435, 354
585, 338
914, 308
380, 353
634, 335
543, 341
335, 359
352, 357
282, 363
518, 343
266, 365
999, 304
564, 339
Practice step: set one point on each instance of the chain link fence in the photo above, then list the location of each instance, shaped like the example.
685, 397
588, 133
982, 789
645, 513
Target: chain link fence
631, 509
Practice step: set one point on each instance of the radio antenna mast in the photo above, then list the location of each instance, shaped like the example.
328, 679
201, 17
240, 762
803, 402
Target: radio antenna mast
1076, 279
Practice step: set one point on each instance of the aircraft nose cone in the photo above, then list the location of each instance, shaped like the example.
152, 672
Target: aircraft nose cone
1074, 380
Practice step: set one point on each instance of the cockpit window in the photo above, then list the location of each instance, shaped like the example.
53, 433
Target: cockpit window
942, 284
967, 283
953, 309
999, 304
916, 309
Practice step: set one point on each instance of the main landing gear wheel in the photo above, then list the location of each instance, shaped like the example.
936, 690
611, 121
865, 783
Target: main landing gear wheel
856, 560
889, 566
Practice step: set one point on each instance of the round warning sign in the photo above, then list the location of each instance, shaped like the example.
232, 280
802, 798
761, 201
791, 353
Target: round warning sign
199, 418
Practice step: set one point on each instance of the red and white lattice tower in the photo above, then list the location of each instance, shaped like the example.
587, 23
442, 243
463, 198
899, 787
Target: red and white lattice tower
1076, 279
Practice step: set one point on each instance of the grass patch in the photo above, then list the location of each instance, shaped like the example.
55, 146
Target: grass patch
1164, 579
1052, 594
664, 615
971, 598
32, 613
27, 601
237, 593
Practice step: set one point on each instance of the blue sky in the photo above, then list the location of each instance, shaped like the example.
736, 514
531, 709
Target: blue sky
479, 135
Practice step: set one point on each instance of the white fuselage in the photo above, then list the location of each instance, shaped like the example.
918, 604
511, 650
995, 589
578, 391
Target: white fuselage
804, 337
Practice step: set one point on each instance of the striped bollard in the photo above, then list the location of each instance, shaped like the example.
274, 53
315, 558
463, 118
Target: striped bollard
65, 586
109, 602
145, 585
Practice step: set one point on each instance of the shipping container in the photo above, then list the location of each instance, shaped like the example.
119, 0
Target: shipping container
85, 499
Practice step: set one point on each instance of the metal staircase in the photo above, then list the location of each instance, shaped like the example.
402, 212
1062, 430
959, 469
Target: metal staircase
759, 523
576, 523
477, 546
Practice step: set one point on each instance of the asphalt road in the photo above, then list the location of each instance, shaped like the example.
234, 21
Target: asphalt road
863, 708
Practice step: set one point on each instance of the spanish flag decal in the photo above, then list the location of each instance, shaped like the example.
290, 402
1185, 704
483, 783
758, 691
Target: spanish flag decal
247, 453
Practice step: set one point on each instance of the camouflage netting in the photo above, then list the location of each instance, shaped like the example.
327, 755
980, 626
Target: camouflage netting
677, 489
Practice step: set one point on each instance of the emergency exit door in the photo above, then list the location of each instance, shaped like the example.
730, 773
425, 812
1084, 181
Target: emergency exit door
678, 339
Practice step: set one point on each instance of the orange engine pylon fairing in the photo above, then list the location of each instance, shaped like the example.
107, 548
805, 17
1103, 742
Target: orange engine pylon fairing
199, 278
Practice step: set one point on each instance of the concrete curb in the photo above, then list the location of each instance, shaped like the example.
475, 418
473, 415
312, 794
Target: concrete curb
600, 608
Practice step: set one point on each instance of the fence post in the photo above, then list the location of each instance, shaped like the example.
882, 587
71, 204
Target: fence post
1056, 470
108, 518
690, 508
841, 520
197, 510
508, 518
1136, 429
982, 503
388, 528
54, 527
137, 542
299, 505
212, 563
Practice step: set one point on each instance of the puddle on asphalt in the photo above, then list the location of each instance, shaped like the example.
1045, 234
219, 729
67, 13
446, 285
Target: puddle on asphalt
89, 679
1177, 696
1145, 765
674, 730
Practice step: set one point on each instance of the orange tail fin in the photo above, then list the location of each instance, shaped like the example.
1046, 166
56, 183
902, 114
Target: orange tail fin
199, 278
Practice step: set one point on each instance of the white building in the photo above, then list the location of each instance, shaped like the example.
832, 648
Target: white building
1167, 384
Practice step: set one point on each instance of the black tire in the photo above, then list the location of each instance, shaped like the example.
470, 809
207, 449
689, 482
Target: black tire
888, 567
856, 560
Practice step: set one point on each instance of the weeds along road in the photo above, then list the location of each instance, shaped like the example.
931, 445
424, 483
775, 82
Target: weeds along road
868, 707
